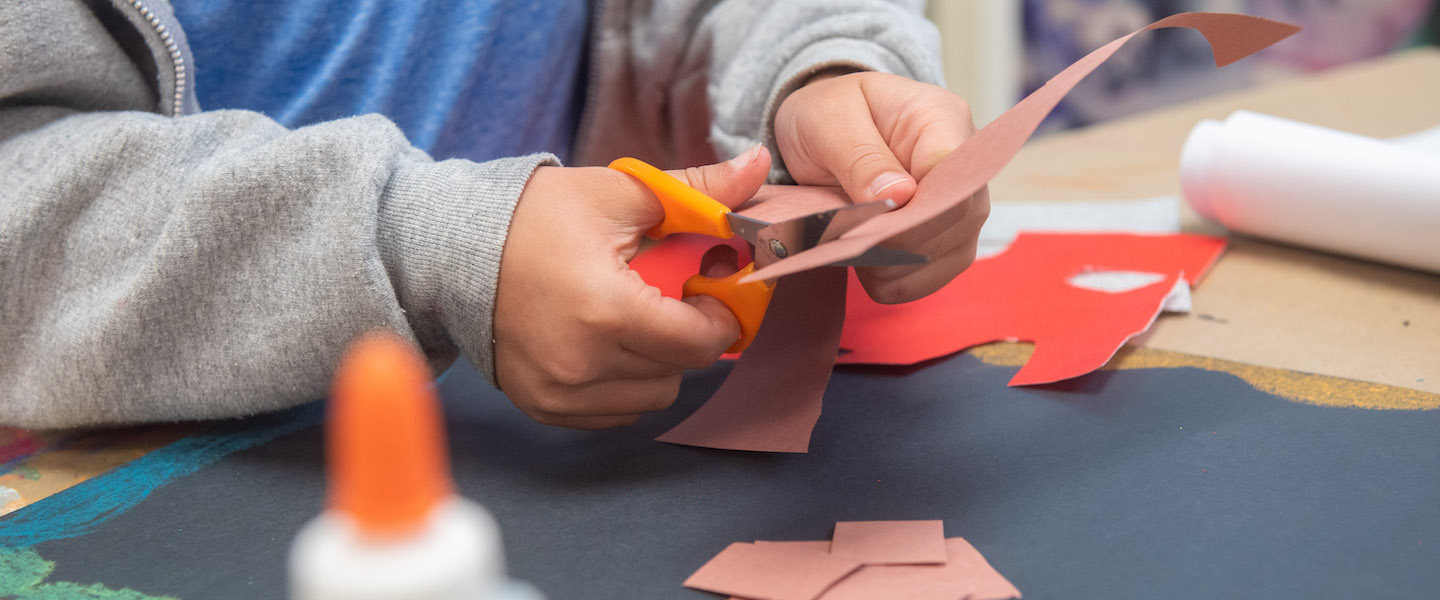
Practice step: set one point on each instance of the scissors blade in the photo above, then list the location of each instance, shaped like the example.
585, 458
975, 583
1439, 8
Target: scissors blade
748, 228
775, 241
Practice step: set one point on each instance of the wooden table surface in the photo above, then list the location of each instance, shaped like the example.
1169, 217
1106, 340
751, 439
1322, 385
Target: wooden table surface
1322, 328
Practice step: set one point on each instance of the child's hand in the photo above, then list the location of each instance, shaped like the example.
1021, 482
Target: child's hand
876, 135
580, 340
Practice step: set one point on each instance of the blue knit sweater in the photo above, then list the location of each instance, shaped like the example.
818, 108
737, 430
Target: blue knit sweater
476, 79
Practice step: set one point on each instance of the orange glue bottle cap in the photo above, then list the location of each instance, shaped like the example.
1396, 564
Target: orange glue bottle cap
388, 462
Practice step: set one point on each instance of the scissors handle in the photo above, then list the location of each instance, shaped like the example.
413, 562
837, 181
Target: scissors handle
687, 210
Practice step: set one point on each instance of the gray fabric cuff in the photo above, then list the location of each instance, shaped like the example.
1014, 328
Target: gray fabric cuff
442, 229
831, 54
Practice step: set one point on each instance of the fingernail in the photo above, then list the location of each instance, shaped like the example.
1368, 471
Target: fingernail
886, 181
745, 158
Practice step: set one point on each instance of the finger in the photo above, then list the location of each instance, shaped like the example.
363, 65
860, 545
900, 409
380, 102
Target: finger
690, 334
945, 124
586, 423
888, 286
548, 402
861, 161
731, 182
949, 240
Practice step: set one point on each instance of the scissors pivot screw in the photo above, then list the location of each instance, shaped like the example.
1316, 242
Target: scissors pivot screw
778, 248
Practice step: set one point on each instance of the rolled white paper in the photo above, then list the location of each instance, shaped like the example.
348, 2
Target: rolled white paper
1316, 187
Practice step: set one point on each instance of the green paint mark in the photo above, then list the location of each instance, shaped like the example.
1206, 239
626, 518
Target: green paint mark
23, 572
27, 472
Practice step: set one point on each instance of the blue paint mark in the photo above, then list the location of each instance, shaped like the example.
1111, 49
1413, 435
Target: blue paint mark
83, 507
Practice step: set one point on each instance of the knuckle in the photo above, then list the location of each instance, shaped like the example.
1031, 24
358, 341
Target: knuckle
570, 368
868, 158
544, 418
600, 317
657, 394
698, 178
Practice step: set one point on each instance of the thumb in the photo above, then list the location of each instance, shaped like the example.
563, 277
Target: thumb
731, 182
866, 168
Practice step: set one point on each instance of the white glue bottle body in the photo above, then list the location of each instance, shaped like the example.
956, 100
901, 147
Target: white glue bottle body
456, 556
394, 528
1316, 187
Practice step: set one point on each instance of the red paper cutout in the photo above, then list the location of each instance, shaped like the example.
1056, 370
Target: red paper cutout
1022, 294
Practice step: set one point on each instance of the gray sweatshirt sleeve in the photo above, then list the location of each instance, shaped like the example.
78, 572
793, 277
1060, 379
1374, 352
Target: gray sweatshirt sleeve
156, 268
785, 43
218, 264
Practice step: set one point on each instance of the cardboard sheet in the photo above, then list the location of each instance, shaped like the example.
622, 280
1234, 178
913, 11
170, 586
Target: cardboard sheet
771, 399
770, 572
964, 171
890, 542
1024, 294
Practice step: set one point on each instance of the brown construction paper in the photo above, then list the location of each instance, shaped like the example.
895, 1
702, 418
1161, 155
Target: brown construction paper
966, 574
770, 572
771, 399
890, 542
963, 172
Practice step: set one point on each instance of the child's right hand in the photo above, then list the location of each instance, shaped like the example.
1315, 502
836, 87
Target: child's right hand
580, 339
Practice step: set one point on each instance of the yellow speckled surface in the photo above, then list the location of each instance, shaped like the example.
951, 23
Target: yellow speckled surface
1322, 390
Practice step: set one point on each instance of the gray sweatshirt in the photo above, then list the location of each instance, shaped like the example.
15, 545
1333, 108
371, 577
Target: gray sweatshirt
161, 263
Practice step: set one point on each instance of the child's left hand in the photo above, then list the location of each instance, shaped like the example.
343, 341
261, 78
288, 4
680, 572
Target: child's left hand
876, 135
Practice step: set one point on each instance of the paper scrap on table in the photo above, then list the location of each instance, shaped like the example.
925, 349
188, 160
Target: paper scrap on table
773, 362
1007, 220
771, 572
947, 569
966, 574
890, 542
1024, 294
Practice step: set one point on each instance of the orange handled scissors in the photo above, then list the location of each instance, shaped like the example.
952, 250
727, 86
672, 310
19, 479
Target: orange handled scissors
688, 210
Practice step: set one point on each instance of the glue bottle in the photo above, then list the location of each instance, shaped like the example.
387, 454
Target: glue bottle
394, 528
1307, 185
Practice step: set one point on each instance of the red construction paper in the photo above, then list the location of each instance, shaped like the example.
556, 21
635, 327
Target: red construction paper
789, 383
771, 399
770, 572
890, 542
966, 574
1022, 295
963, 172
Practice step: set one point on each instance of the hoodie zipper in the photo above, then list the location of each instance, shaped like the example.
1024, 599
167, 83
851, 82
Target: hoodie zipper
177, 61
602, 9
